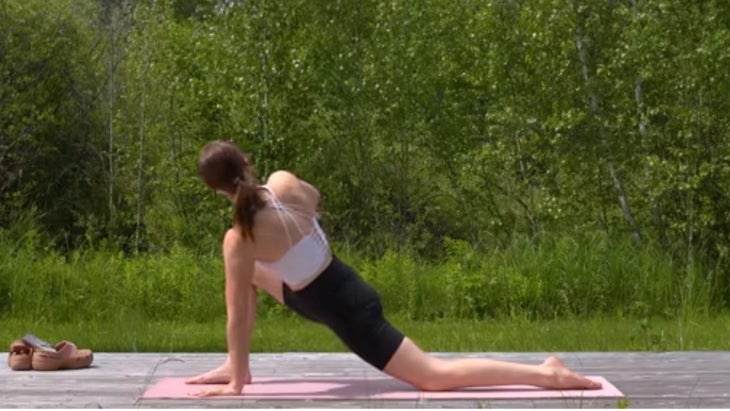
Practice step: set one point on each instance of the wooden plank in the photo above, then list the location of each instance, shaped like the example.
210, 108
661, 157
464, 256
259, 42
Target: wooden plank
649, 380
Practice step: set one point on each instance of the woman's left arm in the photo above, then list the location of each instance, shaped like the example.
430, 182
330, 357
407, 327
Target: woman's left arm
239, 267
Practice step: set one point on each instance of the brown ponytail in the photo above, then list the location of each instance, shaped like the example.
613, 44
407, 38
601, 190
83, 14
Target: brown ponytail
247, 204
226, 169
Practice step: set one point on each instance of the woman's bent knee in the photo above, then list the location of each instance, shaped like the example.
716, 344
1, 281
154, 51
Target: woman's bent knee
419, 369
436, 379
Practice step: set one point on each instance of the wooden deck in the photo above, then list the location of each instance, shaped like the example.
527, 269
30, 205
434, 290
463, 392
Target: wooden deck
649, 380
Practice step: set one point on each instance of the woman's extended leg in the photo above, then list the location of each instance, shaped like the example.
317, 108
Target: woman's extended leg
412, 365
271, 284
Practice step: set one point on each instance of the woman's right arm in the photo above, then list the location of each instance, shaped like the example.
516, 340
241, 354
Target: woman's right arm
288, 179
311, 190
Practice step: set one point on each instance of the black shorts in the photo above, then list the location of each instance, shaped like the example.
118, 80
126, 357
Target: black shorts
341, 300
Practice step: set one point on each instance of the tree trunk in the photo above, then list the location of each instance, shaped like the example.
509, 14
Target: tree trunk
263, 117
594, 109
642, 127
112, 52
140, 196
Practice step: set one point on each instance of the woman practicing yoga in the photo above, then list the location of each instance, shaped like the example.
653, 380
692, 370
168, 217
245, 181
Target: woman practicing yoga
277, 245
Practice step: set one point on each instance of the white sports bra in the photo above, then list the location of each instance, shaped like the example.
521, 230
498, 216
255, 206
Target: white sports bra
305, 259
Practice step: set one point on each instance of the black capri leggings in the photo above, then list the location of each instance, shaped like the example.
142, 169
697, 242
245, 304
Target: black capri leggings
341, 300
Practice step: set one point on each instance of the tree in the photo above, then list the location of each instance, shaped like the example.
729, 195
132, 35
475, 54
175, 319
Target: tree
48, 117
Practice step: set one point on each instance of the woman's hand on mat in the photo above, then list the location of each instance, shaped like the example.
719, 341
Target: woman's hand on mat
228, 389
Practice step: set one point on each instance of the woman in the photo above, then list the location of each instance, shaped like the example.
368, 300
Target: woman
277, 245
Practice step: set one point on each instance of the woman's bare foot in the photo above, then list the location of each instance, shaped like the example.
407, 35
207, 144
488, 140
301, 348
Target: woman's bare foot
220, 375
563, 378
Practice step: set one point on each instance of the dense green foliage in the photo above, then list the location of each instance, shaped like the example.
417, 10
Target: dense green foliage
579, 148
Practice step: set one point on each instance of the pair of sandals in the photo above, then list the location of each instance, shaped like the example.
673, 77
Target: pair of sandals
32, 353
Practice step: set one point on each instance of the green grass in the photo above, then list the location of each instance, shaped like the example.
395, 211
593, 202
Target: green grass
548, 277
283, 334
559, 293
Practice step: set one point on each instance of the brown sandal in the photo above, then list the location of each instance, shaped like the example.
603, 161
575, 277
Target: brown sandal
63, 355
66, 357
20, 356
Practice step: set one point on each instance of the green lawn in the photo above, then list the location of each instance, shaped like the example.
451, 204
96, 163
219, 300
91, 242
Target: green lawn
281, 334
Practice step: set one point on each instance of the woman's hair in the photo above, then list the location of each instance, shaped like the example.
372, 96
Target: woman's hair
225, 168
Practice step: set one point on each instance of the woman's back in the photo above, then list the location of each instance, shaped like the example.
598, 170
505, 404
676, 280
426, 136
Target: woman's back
288, 239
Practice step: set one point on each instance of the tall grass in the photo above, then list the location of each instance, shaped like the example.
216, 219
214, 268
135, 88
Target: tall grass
548, 277
43, 285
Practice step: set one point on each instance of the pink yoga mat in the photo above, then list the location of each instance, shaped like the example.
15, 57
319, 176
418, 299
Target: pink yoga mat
326, 388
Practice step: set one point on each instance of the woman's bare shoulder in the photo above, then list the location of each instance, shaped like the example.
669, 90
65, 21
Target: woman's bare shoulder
281, 176
283, 180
